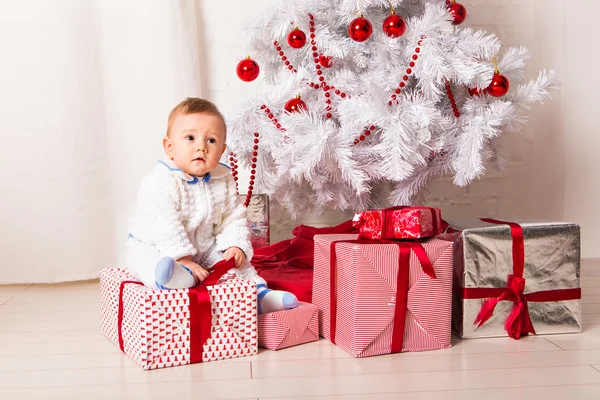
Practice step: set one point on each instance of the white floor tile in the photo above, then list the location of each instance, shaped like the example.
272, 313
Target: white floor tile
120, 376
318, 350
28, 326
575, 342
591, 319
587, 282
575, 392
75, 335
398, 363
492, 345
41, 307
69, 361
327, 385
592, 298
49, 316
590, 308
590, 290
57, 348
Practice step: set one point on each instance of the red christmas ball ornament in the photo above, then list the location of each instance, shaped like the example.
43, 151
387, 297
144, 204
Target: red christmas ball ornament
459, 13
296, 38
248, 69
326, 61
295, 105
394, 26
499, 86
476, 92
360, 29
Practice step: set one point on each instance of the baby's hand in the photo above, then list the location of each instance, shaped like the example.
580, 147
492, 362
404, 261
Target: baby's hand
199, 272
237, 254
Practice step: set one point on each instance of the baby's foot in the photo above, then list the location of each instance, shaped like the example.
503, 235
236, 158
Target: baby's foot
169, 274
274, 300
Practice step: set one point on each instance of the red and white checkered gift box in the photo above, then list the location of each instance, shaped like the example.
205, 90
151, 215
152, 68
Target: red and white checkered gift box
158, 326
366, 314
280, 329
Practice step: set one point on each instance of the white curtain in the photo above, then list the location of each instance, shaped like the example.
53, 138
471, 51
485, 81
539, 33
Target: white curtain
85, 90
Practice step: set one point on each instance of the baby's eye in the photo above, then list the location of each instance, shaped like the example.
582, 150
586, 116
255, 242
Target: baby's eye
189, 137
212, 140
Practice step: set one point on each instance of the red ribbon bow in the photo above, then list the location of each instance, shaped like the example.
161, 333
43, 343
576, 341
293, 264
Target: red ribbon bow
402, 279
200, 310
518, 322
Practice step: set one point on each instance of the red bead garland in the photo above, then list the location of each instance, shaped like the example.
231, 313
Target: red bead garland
408, 72
367, 132
317, 62
283, 57
274, 120
452, 99
234, 169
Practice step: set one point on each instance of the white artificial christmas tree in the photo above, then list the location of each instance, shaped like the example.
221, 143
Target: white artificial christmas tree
350, 120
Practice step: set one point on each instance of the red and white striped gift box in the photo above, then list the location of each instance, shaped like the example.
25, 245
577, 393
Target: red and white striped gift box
156, 323
280, 329
366, 277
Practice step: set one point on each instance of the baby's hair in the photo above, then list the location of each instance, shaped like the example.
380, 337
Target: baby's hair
194, 105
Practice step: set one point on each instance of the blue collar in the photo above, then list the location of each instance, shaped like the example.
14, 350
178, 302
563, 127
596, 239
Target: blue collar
220, 171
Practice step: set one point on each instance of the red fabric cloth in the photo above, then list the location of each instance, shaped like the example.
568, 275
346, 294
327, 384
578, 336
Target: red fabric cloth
288, 265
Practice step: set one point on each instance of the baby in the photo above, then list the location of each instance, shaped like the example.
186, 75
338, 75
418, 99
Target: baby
188, 217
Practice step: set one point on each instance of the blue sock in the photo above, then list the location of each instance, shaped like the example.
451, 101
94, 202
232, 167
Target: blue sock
274, 300
169, 274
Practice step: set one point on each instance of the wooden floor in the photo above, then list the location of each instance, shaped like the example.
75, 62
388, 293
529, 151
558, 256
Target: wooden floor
51, 348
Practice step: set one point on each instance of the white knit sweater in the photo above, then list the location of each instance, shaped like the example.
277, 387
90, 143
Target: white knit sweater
183, 215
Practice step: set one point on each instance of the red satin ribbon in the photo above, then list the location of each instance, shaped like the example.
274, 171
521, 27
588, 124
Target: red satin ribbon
402, 279
200, 310
518, 323
387, 225
537, 297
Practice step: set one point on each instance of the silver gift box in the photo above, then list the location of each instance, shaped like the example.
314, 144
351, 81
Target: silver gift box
257, 215
483, 259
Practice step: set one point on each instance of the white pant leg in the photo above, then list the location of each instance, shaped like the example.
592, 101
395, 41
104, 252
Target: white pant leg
141, 261
248, 272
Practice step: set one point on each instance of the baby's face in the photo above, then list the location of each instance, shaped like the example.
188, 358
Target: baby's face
196, 143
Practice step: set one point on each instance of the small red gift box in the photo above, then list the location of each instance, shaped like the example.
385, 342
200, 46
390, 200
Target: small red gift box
281, 329
402, 222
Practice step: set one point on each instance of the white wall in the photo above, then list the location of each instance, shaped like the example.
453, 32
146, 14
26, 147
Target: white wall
581, 118
85, 91
544, 177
